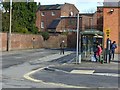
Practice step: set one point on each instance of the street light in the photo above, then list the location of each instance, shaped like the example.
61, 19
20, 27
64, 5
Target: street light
78, 48
9, 35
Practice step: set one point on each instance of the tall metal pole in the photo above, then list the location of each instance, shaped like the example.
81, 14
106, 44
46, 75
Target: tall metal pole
77, 48
80, 39
9, 35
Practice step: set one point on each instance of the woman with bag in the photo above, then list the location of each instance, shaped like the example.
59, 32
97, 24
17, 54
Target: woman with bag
99, 51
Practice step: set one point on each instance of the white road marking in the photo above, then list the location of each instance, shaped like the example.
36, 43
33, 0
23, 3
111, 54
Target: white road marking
107, 74
82, 71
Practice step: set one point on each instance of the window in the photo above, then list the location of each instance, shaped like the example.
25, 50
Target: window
53, 13
71, 14
42, 13
42, 24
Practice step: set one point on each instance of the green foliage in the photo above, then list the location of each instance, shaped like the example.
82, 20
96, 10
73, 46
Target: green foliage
64, 33
23, 17
5, 22
6, 5
22, 30
45, 35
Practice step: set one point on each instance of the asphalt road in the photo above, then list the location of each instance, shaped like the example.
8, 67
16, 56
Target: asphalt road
16, 64
58, 72
83, 80
19, 57
103, 76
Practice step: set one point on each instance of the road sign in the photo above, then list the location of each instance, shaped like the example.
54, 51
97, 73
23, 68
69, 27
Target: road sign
108, 33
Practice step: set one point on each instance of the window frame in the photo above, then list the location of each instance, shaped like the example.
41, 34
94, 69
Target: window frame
42, 13
42, 24
53, 13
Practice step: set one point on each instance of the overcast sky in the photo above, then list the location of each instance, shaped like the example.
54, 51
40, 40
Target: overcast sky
82, 5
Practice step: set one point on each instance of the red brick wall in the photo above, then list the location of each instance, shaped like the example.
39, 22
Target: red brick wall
38, 20
61, 26
111, 21
86, 22
54, 41
25, 41
22, 41
4, 40
119, 30
100, 18
71, 42
47, 18
67, 9
67, 23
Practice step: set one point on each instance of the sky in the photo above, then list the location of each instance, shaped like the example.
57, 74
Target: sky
84, 6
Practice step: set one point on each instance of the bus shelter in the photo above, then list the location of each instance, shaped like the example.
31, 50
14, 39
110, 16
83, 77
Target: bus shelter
88, 39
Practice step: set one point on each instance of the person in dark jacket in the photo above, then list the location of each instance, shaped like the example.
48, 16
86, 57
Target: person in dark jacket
95, 49
113, 47
62, 46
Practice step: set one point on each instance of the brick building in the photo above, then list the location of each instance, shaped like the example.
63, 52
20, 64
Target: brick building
86, 21
99, 18
111, 14
63, 24
89, 20
63, 17
47, 14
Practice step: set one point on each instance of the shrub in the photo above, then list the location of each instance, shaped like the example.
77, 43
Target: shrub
45, 35
64, 33
24, 30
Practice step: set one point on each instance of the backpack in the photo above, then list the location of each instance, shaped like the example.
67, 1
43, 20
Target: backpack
113, 46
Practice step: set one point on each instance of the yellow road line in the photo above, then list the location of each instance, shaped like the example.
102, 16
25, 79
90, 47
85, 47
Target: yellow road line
27, 76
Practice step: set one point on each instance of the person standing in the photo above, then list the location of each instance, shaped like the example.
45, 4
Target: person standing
98, 52
95, 48
62, 46
113, 47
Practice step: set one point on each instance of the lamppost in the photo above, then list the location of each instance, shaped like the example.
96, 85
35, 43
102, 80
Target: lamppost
78, 48
9, 34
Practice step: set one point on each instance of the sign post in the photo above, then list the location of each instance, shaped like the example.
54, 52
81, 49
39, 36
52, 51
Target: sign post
108, 33
108, 45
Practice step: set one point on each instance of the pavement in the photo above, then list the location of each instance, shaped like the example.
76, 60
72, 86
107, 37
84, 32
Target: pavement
73, 70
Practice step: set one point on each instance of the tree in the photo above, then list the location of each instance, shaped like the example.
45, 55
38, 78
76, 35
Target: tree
23, 17
6, 17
